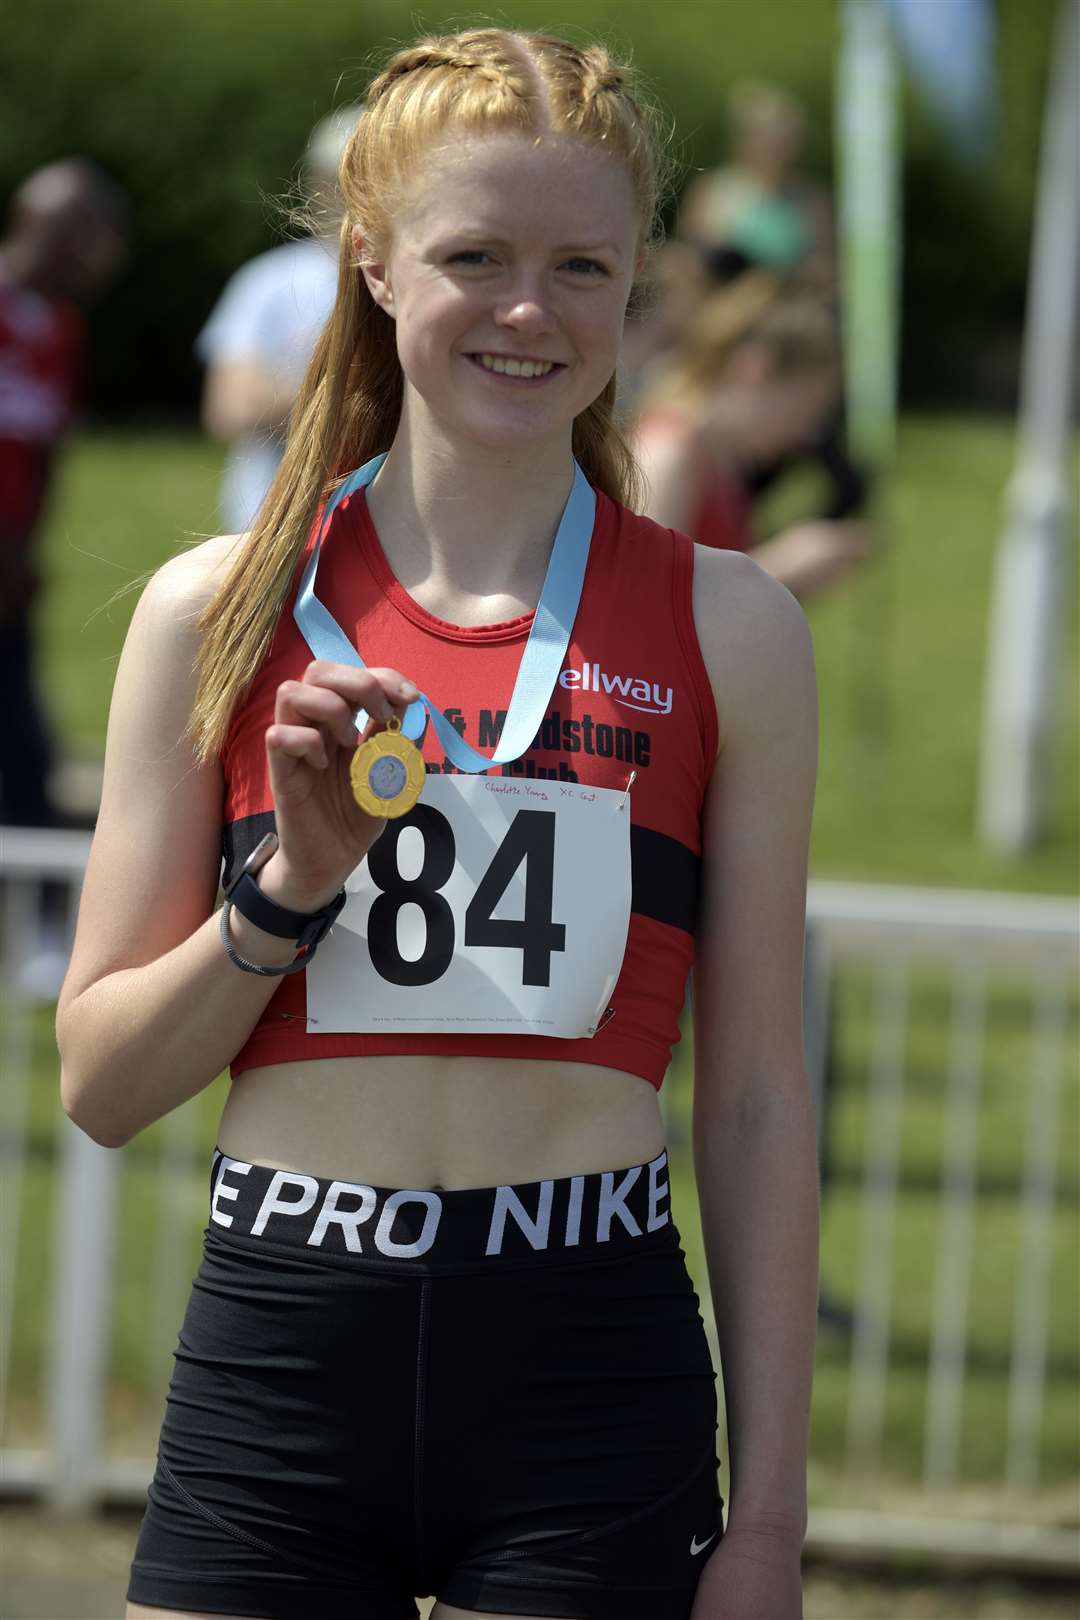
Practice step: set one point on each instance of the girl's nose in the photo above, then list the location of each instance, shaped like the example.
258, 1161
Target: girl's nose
526, 309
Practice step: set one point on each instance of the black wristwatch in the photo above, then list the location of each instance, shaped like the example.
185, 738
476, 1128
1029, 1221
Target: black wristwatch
307, 928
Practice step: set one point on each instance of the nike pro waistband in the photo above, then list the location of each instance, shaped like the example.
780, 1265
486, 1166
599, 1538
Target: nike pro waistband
588, 1216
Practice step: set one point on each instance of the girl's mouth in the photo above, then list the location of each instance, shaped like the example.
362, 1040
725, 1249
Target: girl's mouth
525, 370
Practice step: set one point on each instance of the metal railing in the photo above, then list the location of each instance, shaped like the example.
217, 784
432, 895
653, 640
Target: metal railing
969, 938
886, 932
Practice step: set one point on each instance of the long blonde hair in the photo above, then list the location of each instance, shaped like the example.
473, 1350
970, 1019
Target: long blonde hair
347, 410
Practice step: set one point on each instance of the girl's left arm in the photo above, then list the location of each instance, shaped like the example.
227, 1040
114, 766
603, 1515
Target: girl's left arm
754, 1129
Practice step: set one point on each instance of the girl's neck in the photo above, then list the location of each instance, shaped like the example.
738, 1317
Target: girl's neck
458, 520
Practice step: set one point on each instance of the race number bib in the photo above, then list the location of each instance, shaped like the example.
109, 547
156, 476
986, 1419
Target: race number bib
497, 906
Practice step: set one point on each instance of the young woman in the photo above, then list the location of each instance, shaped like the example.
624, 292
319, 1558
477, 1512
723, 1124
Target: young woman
442, 1340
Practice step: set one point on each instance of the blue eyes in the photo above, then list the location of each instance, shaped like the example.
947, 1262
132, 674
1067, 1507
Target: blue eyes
476, 258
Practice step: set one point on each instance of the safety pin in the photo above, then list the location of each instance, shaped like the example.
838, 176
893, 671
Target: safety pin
631, 779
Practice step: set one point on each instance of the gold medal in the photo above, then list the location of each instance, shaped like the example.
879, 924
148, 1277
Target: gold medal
387, 773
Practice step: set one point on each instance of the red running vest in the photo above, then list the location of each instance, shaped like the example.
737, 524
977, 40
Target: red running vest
633, 696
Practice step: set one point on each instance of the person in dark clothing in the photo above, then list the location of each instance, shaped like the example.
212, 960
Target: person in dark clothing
64, 243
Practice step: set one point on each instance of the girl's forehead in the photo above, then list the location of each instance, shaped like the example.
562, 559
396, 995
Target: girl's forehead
517, 183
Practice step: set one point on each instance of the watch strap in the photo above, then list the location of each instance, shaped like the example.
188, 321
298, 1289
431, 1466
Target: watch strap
307, 928
234, 956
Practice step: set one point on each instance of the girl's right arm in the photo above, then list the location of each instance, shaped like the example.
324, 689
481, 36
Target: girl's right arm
152, 1010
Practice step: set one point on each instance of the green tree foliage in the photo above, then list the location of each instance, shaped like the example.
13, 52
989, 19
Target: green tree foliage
201, 109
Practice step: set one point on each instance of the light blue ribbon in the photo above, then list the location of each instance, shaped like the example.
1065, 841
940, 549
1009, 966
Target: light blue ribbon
544, 652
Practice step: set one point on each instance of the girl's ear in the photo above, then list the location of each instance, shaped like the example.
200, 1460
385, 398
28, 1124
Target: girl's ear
375, 274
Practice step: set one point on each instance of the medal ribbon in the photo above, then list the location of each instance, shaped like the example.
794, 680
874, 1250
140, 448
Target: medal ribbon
544, 652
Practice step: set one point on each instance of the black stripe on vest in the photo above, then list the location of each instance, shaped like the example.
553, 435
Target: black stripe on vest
666, 876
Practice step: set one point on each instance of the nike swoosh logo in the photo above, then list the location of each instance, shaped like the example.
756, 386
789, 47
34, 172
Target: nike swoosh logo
697, 1546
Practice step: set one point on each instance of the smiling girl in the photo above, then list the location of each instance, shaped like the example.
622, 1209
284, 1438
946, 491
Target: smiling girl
442, 1340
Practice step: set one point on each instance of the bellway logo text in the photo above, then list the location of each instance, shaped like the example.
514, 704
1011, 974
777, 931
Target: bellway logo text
648, 696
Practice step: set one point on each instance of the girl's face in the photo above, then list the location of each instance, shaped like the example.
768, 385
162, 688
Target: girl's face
508, 277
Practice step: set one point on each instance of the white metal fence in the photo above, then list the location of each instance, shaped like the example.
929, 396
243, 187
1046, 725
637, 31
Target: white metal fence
61, 1443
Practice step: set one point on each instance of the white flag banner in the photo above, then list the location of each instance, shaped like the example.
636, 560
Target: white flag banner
949, 47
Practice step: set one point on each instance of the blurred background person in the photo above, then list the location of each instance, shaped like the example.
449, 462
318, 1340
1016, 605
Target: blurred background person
762, 204
757, 210
65, 241
260, 334
760, 210
748, 383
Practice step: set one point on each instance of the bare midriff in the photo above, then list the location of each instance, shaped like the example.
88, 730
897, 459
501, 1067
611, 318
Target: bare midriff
442, 1122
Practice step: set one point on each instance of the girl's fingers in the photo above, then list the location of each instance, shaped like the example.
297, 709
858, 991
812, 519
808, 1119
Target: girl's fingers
316, 715
384, 693
297, 743
297, 703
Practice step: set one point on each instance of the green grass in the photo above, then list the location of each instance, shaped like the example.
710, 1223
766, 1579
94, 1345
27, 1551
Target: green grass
901, 661
895, 803
124, 505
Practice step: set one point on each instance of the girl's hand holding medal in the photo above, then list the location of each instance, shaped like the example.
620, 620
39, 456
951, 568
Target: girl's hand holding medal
324, 826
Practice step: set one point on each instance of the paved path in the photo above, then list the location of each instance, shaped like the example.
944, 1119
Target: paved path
41, 1597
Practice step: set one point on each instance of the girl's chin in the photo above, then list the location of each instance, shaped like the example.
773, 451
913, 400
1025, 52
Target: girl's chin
515, 419
509, 429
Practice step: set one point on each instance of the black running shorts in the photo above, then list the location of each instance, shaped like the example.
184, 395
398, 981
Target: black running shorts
501, 1396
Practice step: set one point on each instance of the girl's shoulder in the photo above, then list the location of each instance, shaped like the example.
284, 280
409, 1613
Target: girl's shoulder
738, 604
175, 596
192, 577
754, 637
164, 634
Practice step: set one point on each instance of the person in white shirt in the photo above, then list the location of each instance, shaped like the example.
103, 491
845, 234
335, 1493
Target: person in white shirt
258, 339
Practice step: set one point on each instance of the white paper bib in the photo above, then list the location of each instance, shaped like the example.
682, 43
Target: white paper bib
498, 906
